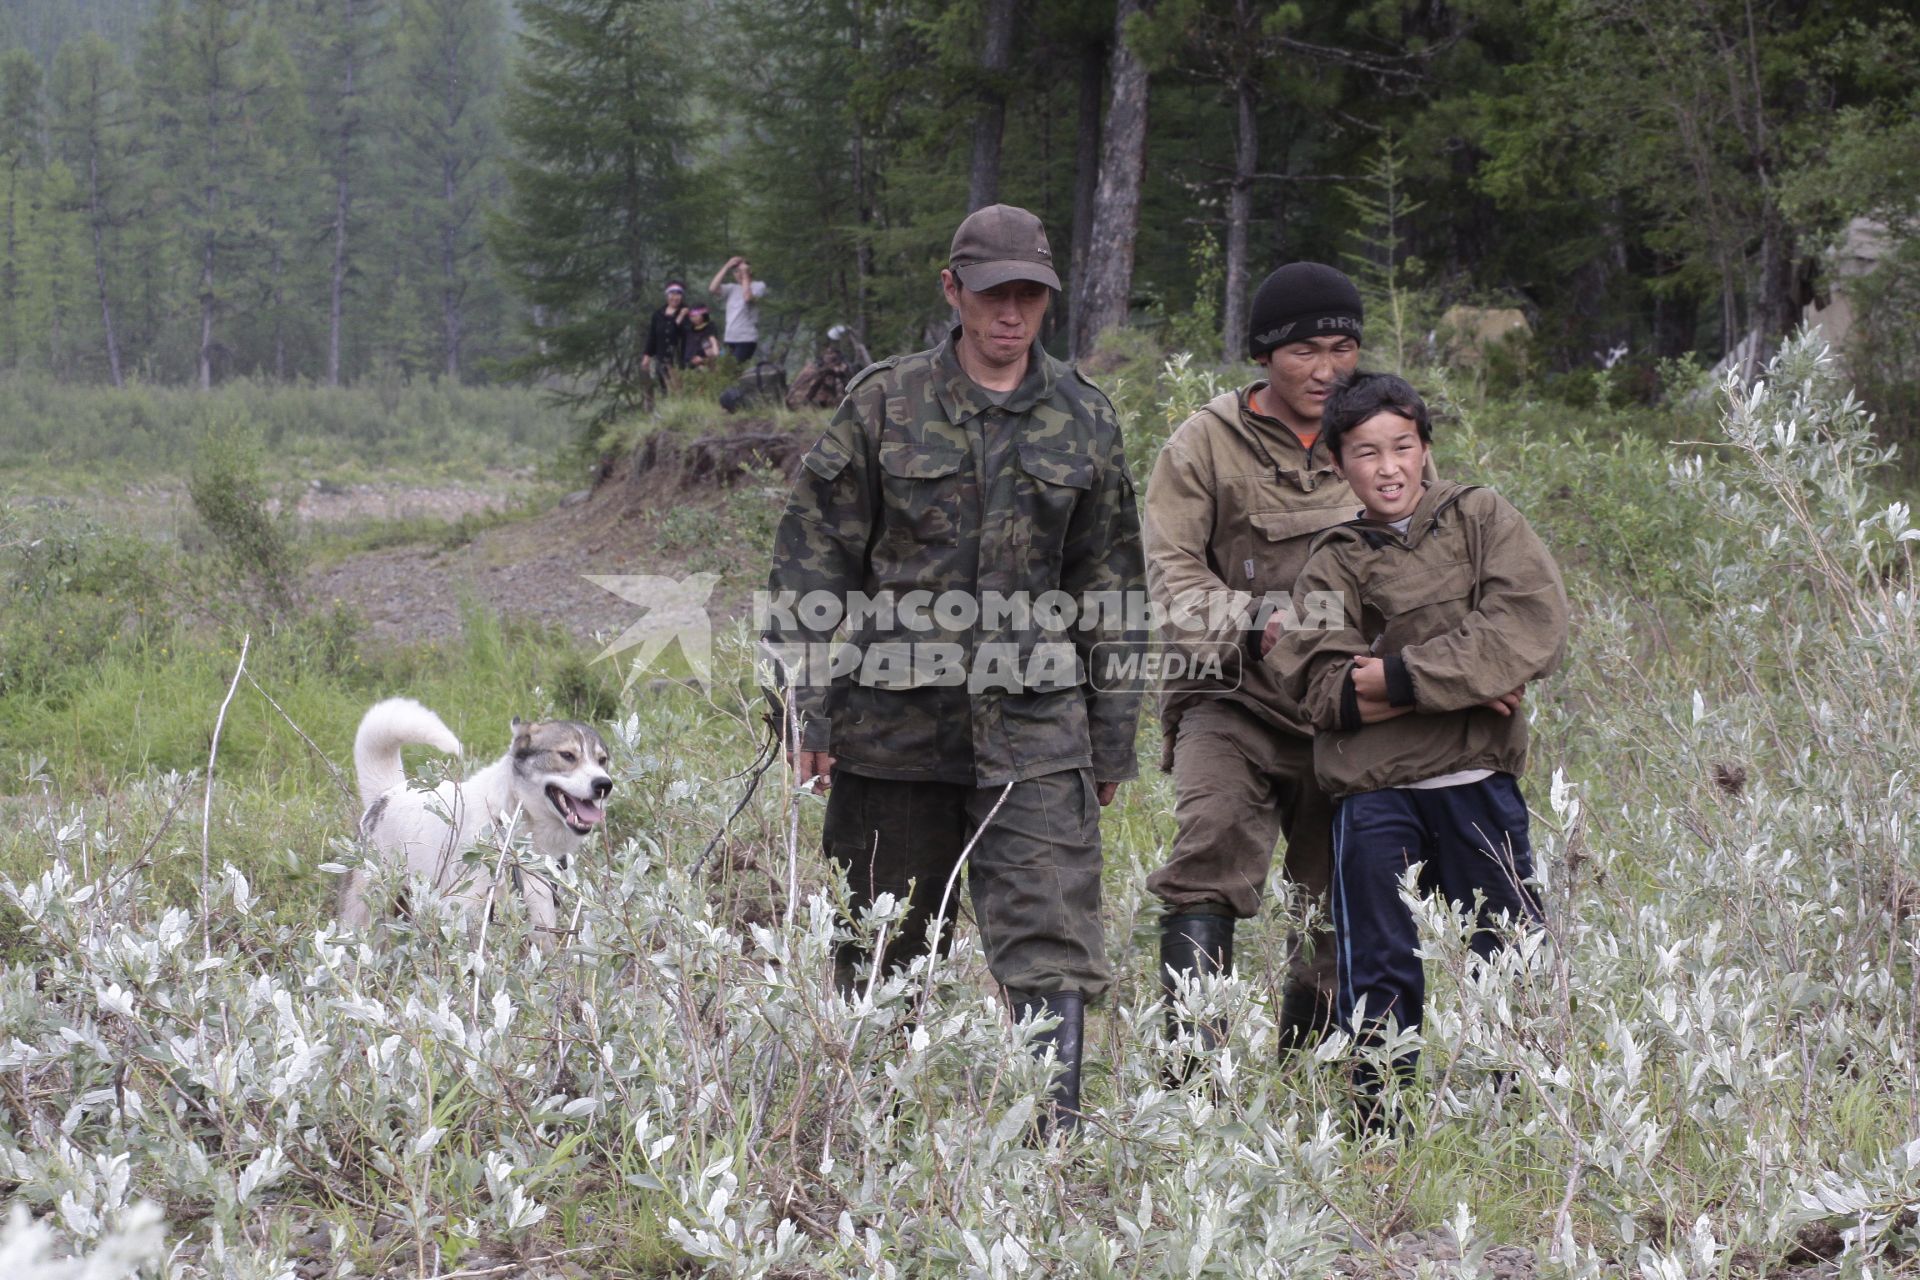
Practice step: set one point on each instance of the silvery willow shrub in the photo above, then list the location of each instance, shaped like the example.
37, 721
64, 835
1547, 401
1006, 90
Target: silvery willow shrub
1708, 1052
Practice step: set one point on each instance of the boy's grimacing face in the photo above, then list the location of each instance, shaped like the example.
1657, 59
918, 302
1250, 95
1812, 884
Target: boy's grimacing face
1383, 460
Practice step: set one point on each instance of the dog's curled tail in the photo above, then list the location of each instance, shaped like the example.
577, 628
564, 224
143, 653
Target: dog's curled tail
387, 727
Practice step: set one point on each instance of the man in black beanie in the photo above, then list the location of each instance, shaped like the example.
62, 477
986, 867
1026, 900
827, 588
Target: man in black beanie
1236, 498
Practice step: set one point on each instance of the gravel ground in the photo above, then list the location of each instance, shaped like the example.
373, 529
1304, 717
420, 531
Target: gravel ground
528, 568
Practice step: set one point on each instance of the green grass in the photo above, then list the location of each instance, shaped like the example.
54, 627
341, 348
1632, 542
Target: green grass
342, 540
63, 438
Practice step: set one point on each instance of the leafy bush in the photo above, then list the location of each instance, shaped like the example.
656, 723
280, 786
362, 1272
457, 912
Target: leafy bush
1883, 351
1197, 329
230, 497
72, 592
585, 690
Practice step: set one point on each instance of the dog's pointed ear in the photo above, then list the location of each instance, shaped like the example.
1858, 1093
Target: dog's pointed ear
522, 733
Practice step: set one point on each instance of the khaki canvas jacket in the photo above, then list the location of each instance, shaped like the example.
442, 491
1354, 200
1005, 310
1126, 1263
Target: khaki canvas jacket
1232, 509
1465, 606
921, 483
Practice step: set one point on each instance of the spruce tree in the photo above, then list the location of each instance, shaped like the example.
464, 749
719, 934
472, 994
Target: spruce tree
220, 92
451, 69
53, 272
92, 98
598, 186
20, 155
343, 52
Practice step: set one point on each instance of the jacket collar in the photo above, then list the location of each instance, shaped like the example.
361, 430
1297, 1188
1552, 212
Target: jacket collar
961, 397
1439, 495
1272, 439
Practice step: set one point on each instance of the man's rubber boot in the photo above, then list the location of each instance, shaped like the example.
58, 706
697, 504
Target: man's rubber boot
1306, 1015
1066, 1038
848, 960
1196, 945
1375, 1110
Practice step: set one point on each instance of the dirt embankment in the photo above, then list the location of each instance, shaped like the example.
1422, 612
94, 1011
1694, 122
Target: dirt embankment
534, 567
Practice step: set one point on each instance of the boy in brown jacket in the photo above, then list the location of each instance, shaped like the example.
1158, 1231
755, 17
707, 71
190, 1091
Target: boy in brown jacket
1451, 607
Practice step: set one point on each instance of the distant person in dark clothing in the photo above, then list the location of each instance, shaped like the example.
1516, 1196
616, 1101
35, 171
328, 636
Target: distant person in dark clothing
666, 336
702, 341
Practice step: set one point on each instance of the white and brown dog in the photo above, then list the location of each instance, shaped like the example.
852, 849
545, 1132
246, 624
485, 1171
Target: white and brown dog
548, 785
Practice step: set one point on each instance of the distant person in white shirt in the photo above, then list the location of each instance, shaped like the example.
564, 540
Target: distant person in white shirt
741, 297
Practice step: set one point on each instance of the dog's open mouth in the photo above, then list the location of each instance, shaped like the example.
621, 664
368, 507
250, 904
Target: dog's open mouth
581, 816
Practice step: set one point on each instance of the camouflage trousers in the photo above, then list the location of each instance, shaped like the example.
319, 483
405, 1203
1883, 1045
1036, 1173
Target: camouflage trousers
1238, 783
1034, 875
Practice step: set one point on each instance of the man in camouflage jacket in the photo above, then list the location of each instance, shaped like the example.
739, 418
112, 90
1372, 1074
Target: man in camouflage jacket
967, 523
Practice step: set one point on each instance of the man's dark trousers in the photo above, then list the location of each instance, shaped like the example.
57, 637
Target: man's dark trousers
1034, 873
1472, 839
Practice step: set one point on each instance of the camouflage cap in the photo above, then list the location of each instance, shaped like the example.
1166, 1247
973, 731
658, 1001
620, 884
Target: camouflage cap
1001, 243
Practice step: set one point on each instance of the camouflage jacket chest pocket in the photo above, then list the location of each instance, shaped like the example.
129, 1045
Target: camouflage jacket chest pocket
1047, 487
920, 489
1421, 603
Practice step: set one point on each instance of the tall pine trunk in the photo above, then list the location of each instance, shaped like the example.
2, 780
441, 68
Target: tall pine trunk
451, 322
277, 272
989, 121
342, 210
1086, 180
10, 272
96, 216
862, 196
208, 242
1246, 162
1772, 313
206, 312
210, 239
1116, 209
342, 202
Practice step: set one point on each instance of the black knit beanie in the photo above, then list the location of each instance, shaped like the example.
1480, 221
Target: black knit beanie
1303, 300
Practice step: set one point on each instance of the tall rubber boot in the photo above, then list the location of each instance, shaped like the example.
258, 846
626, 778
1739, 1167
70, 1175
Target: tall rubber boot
1197, 945
847, 962
1066, 1039
1306, 1015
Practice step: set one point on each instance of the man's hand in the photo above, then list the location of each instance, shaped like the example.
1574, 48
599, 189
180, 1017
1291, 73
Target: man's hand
1370, 686
813, 771
1507, 703
1370, 691
1270, 634
1374, 710
646, 363
1105, 792
1370, 680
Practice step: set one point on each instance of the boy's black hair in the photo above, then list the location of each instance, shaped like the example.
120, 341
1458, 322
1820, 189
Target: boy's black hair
1362, 396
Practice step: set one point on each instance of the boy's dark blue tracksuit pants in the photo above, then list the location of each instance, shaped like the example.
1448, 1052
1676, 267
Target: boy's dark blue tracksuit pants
1472, 839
